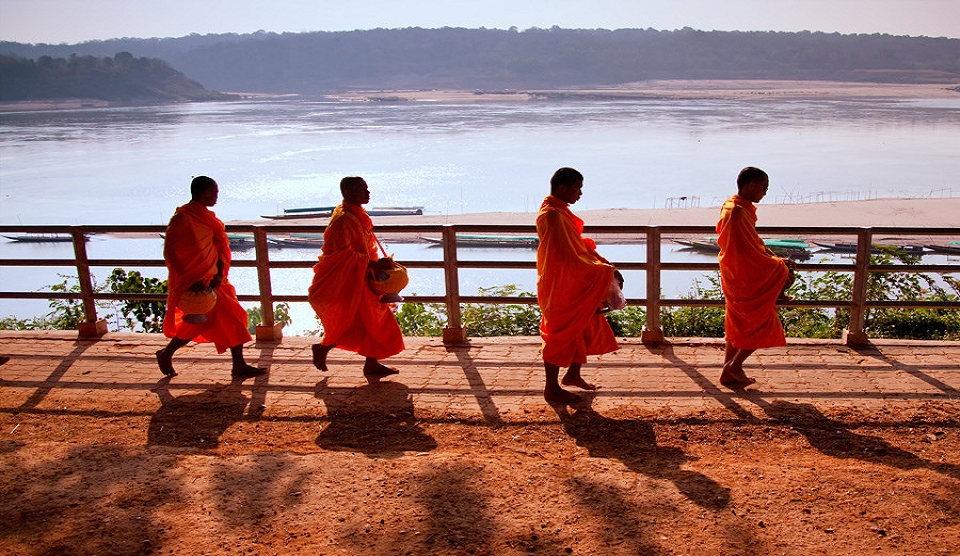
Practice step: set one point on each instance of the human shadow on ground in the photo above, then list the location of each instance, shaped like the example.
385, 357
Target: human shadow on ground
376, 419
196, 420
833, 438
634, 443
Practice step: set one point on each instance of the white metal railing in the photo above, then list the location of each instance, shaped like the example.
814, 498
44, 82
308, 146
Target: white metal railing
653, 266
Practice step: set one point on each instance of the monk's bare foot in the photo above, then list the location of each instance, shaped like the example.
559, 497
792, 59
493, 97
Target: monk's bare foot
735, 378
559, 395
320, 356
578, 382
245, 370
166, 363
376, 368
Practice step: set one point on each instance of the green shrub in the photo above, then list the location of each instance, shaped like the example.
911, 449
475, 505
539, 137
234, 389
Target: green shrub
281, 315
487, 319
421, 319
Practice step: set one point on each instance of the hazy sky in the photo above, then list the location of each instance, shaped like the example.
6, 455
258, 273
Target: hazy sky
69, 21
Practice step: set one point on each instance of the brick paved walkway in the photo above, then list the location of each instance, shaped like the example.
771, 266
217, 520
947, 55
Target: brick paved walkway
492, 379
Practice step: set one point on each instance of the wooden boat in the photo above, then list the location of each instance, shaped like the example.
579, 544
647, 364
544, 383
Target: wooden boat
483, 240
952, 248
875, 248
43, 238
240, 241
325, 212
298, 240
793, 248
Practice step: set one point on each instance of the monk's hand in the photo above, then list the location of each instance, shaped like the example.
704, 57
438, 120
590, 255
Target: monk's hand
197, 286
216, 280
386, 263
791, 264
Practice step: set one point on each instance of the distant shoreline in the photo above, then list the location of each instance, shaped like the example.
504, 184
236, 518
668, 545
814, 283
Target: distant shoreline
644, 90
941, 212
675, 89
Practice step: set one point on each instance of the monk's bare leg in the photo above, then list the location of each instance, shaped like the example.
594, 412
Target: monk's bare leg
373, 367
733, 373
165, 356
240, 367
573, 378
552, 392
320, 355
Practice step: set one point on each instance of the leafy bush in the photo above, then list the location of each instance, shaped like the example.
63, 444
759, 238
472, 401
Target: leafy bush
627, 322
281, 315
421, 319
487, 319
705, 322
145, 316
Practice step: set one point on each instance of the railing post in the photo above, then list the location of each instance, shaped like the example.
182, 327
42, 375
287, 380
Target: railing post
91, 326
453, 333
652, 330
266, 330
854, 335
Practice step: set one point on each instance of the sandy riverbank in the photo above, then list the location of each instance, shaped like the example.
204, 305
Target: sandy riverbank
680, 89
928, 213
656, 89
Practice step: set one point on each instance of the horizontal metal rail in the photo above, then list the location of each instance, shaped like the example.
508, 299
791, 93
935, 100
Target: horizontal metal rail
653, 266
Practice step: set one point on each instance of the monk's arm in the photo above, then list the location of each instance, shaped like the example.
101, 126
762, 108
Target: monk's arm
218, 277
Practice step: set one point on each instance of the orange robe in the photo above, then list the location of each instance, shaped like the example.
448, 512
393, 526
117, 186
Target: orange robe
194, 242
572, 283
752, 278
351, 313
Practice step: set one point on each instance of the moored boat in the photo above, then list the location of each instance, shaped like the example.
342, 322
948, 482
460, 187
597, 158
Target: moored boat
875, 248
952, 248
792, 248
323, 212
42, 237
298, 240
485, 240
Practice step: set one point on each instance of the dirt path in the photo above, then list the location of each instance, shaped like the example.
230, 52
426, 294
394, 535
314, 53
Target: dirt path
836, 451
201, 477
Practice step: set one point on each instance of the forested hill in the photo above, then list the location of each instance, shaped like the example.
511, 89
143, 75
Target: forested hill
534, 58
120, 78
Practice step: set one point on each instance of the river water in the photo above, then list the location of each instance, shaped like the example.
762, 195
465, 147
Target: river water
134, 165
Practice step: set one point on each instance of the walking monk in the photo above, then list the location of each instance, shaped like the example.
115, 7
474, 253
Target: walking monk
197, 253
572, 285
352, 315
753, 279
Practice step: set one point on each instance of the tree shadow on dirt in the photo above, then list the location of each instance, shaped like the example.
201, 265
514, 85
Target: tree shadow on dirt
255, 489
459, 518
623, 519
833, 438
634, 443
196, 420
88, 500
376, 419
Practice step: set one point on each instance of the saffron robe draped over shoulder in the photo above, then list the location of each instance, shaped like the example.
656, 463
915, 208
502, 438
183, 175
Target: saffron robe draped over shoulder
194, 243
351, 313
572, 283
752, 278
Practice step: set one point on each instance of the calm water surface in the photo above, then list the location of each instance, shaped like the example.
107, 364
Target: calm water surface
134, 165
